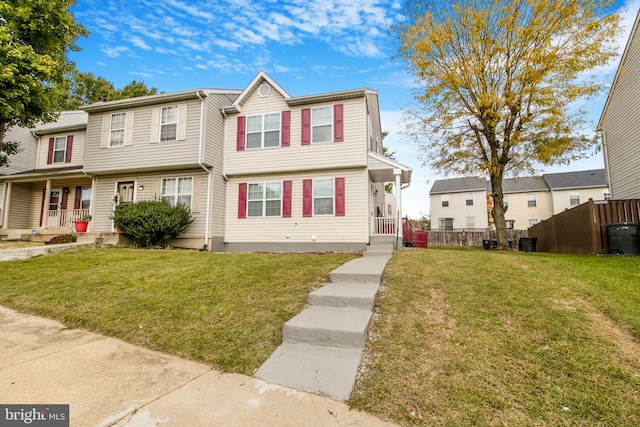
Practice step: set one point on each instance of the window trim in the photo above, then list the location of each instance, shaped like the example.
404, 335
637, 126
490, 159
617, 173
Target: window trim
444, 221
264, 199
532, 200
177, 186
313, 125
63, 150
468, 197
263, 131
332, 197
176, 123
444, 201
123, 130
574, 198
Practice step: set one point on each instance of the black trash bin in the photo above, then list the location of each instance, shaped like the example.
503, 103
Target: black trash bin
488, 244
527, 244
623, 238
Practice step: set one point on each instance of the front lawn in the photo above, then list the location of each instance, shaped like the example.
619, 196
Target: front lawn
472, 337
223, 309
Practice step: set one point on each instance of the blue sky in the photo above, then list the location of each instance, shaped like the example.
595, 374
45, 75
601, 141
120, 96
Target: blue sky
306, 46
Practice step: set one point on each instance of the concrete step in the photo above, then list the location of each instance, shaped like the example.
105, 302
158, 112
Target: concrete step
378, 250
354, 295
320, 369
366, 269
328, 326
374, 240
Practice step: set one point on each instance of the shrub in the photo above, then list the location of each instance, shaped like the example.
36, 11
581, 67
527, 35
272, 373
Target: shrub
63, 238
152, 222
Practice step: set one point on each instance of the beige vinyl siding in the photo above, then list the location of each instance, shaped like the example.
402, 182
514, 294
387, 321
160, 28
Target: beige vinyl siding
351, 152
140, 153
351, 228
20, 205
25, 160
619, 125
458, 209
106, 188
561, 197
36, 196
519, 211
77, 150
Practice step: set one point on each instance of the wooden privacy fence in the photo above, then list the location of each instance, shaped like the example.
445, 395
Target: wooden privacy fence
583, 230
470, 238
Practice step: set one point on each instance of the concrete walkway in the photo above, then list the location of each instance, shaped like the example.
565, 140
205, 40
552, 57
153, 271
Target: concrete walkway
108, 382
322, 346
31, 251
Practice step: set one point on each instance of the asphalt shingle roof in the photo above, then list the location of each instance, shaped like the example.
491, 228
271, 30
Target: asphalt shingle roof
458, 185
581, 179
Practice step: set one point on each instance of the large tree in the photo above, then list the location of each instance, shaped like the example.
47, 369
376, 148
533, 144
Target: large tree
499, 81
86, 88
35, 38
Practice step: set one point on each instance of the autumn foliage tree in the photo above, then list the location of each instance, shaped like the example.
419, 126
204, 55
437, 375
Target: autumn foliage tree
499, 83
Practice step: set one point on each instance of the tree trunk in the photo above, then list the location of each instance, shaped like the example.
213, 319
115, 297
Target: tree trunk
498, 210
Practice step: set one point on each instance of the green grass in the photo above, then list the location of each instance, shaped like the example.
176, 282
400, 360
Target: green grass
223, 309
468, 337
12, 244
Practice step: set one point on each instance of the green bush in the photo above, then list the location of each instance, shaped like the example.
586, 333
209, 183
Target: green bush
152, 222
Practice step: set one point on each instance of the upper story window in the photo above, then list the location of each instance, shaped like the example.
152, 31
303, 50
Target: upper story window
177, 191
444, 201
169, 123
263, 131
468, 197
59, 149
574, 199
117, 129
321, 124
531, 200
264, 199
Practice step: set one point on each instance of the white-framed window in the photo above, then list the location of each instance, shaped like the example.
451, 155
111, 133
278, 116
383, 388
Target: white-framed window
533, 221
117, 126
509, 223
85, 201
468, 197
263, 131
59, 149
446, 223
169, 123
323, 196
445, 201
606, 195
322, 124
471, 221
574, 199
264, 199
177, 191
532, 202
505, 201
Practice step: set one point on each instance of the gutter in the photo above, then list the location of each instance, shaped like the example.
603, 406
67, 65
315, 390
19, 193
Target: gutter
209, 173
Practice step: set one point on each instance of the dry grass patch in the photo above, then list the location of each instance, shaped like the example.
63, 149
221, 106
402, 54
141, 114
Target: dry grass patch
468, 337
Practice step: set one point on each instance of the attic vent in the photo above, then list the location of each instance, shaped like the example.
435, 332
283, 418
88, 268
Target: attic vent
264, 90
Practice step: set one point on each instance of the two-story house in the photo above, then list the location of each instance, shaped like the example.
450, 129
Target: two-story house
528, 199
618, 123
259, 169
49, 189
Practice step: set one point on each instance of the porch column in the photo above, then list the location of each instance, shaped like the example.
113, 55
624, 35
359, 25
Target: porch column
397, 174
45, 211
7, 203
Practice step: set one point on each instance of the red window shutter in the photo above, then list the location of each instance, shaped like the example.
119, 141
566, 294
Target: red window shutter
241, 133
339, 196
78, 200
67, 158
286, 199
242, 200
306, 126
307, 197
65, 198
286, 128
50, 154
338, 124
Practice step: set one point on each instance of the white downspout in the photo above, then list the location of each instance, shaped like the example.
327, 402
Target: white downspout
209, 173
397, 174
225, 177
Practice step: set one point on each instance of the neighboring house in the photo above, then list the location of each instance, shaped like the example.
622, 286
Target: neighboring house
459, 203
528, 199
53, 191
259, 169
619, 120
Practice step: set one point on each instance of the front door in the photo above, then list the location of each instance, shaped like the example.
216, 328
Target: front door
55, 205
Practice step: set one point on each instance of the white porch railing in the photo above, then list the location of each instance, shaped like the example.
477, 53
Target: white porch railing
65, 218
384, 226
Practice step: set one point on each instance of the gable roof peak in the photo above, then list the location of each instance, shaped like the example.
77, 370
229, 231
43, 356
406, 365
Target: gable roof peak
255, 83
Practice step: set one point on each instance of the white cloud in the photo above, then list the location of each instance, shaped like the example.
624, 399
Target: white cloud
137, 41
115, 52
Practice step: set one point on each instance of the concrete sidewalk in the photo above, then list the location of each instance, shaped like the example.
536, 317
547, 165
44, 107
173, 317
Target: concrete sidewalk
108, 382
